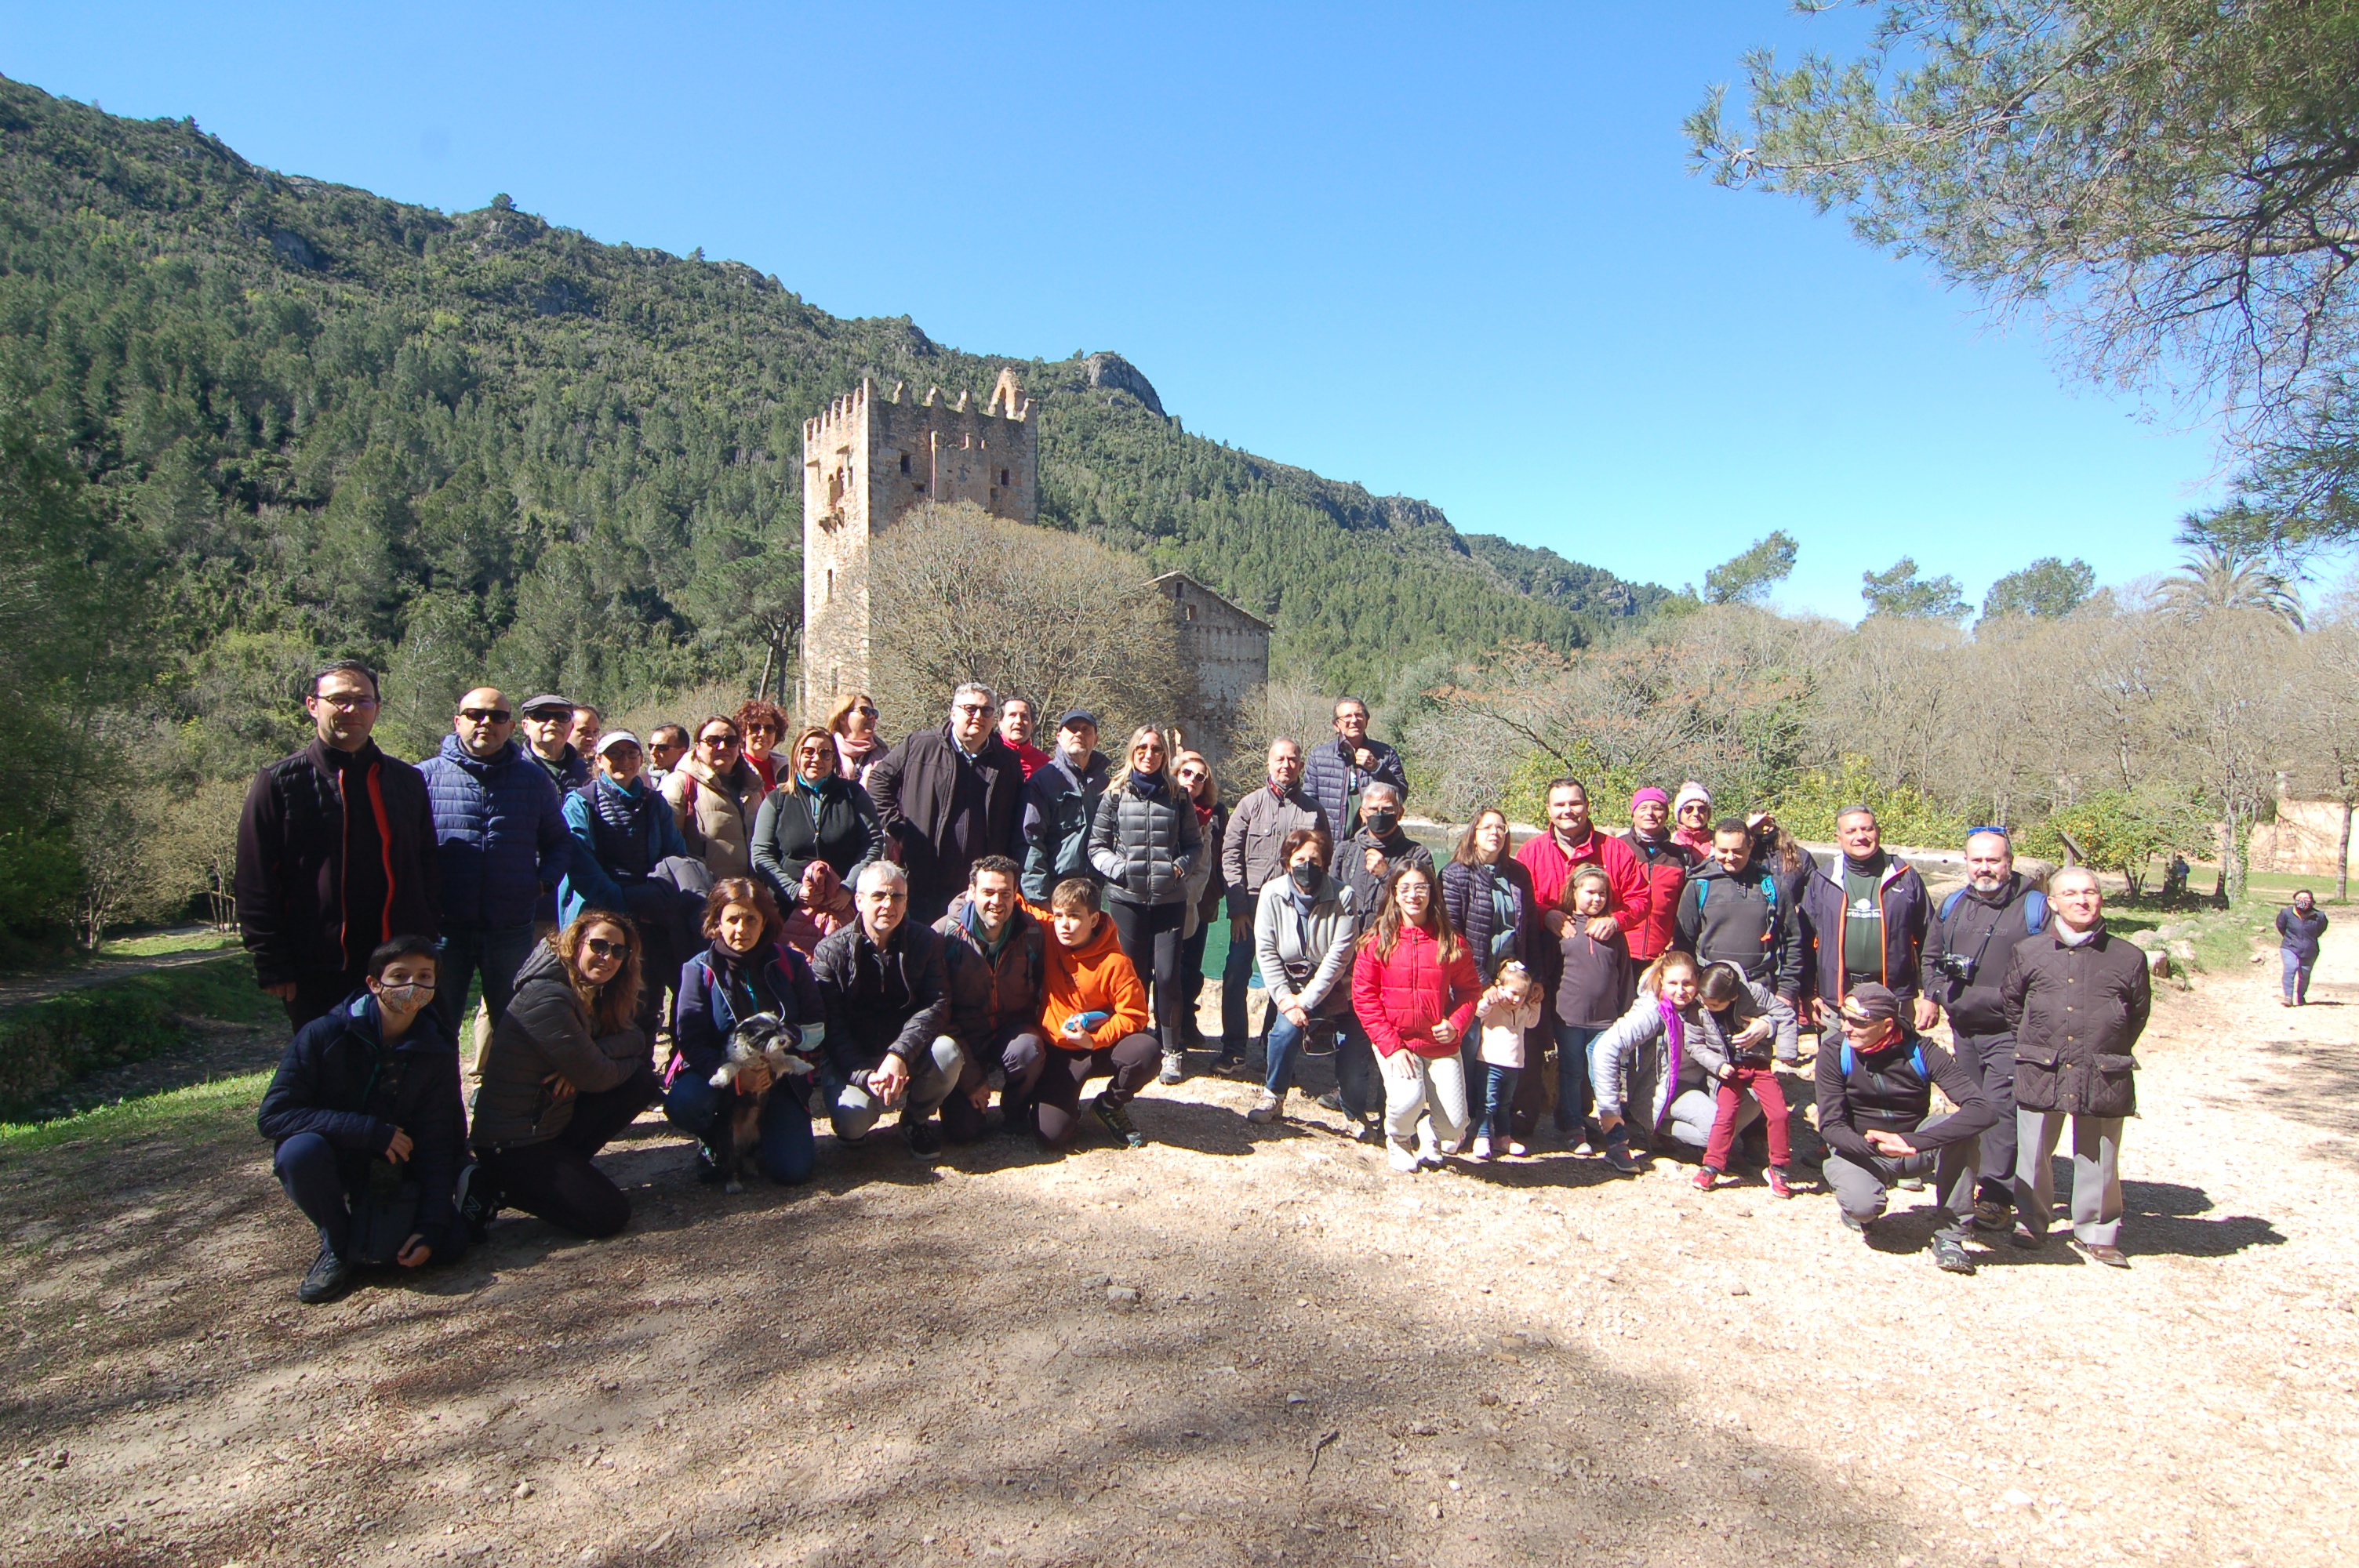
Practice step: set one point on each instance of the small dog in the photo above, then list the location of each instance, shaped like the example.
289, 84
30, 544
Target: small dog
777, 1046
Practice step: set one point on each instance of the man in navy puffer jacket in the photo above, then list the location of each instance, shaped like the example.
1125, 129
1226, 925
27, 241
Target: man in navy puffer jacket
500, 833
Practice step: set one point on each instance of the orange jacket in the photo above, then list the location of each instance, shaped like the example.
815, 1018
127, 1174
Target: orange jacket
1091, 978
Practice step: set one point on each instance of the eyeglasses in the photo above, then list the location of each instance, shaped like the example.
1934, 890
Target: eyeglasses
485, 714
344, 702
969, 708
599, 947
761, 730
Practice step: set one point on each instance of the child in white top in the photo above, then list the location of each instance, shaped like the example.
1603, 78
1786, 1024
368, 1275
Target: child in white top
1509, 1007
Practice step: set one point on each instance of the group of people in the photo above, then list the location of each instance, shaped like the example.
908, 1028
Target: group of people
754, 933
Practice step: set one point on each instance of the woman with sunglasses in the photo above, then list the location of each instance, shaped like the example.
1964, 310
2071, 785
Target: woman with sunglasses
764, 725
715, 794
858, 746
567, 1069
1144, 844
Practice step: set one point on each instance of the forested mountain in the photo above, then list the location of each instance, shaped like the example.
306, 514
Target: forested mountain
316, 419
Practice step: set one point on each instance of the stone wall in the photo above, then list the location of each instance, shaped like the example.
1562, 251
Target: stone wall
2302, 841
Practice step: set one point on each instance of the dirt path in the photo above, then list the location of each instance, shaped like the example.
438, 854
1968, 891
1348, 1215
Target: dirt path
1324, 1363
15, 990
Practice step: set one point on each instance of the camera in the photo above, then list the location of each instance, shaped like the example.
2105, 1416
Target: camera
1957, 966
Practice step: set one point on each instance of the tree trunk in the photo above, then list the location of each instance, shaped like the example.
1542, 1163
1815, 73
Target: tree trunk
2343, 858
762, 687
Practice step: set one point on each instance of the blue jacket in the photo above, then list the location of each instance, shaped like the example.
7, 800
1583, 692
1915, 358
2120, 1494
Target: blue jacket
591, 882
717, 989
500, 831
2299, 936
339, 1081
1327, 776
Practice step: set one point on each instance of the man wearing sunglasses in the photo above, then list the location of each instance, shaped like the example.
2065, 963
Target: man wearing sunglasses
499, 827
950, 797
335, 853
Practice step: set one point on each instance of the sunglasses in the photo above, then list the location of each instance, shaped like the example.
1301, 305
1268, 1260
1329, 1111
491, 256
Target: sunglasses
717, 742
599, 947
760, 729
485, 714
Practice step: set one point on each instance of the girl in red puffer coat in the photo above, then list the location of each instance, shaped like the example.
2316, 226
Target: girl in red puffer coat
1414, 988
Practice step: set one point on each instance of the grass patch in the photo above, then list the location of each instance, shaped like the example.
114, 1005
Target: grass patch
199, 1112
45, 1045
165, 942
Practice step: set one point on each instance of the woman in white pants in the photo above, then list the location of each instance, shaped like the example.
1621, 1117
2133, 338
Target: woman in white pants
1414, 987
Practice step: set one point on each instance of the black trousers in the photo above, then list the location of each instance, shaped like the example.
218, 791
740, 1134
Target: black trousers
556, 1180
1149, 934
1132, 1061
1991, 1059
317, 994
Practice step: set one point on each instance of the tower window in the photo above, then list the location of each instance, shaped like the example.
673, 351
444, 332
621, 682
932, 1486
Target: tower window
830, 587
1003, 479
1191, 612
905, 462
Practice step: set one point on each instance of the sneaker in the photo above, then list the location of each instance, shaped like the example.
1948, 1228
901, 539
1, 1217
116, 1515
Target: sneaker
1706, 1178
1173, 1066
924, 1138
1480, 1153
1330, 1100
1429, 1151
1950, 1256
1017, 1118
1403, 1156
1618, 1155
1851, 1223
1992, 1217
1118, 1122
708, 1170
1267, 1110
1518, 1150
477, 1205
329, 1277
1777, 1185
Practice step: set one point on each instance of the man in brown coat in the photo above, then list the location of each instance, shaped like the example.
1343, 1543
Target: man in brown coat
2076, 1000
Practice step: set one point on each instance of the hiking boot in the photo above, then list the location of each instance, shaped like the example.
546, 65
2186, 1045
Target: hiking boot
1330, 1100
1174, 1065
329, 1277
1777, 1184
478, 1205
1267, 1110
924, 1138
1950, 1256
1992, 1217
1118, 1122
1706, 1178
1851, 1223
1402, 1156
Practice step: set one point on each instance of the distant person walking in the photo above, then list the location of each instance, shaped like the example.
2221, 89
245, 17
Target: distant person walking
335, 853
1339, 772
2299, 925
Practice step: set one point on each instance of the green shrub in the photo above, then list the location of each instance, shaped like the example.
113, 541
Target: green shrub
45, 1045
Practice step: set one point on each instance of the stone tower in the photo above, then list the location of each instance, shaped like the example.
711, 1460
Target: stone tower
866, 460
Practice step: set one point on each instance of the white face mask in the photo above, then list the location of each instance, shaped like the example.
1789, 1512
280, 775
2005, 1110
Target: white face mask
405, 998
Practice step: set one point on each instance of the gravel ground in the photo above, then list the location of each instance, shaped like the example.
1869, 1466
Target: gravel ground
1240, 1344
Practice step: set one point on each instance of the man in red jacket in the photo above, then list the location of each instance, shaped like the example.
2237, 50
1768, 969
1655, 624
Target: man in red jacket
1572, 839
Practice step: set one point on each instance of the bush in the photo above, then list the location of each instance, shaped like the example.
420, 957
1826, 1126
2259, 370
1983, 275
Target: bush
47, 1044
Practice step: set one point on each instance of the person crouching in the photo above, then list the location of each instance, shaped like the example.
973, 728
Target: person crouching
1095, 1019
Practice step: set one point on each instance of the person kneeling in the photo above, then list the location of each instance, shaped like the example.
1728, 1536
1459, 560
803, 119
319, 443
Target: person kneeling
884, 980
364, 1111
1096, 1017
1874, 1097
567, 1069
745, 978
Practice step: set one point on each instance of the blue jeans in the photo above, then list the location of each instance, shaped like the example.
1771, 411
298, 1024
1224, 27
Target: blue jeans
1575, 1099
1236, 974
1493, 1120
784, 1149
496, 951
1286, 1045
1355, 1069
2297, 975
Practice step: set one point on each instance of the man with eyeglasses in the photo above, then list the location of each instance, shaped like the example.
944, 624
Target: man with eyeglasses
884, 978
1975, 932
335, 853
950, 797
549, 723
500, 826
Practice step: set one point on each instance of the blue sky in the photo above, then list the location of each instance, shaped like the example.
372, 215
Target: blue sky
1449, 252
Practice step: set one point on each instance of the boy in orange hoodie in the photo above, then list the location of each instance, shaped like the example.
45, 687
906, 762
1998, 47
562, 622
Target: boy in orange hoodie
1094, 1016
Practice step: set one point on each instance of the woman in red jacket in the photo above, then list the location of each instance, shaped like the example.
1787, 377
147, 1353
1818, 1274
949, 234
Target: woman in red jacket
1414, 988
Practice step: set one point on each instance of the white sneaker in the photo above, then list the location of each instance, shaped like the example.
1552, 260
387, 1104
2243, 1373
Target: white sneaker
1174, 1068
1267, 1110
1403, 1157
1518, 1150
1429, 1150
1481, 1152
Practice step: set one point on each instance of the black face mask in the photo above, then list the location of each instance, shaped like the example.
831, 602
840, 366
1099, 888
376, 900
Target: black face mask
1305, 875
1380, 822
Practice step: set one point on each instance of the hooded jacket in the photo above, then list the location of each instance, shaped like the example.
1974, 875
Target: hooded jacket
2298, 934
547, 1030
716, 813
1399, 999
1986, 930
990, 994
2077, 1013
1092, 977
1668, 863
1884, 1091
720, 988
1144, 843
1253, 849
290, 860
500, 828
882, 1002
1317, 943
339, 1080
1908, 912
1060, 804
1747, 920
796, 825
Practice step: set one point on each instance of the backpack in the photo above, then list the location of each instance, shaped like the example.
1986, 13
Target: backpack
1770, 893
1916, 1054
2035, 909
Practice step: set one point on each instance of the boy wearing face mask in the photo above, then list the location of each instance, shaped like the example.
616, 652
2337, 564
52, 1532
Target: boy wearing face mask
366, 1114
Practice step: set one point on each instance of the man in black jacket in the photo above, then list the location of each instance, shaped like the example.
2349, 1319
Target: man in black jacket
1875, 1101
885, 980
1863, 919
364, 1112
2077, 1000
996, 963
950, 797
1974, 932
335, 853
1059, 800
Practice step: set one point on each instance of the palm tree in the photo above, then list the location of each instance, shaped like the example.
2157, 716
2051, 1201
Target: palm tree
2219, 574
